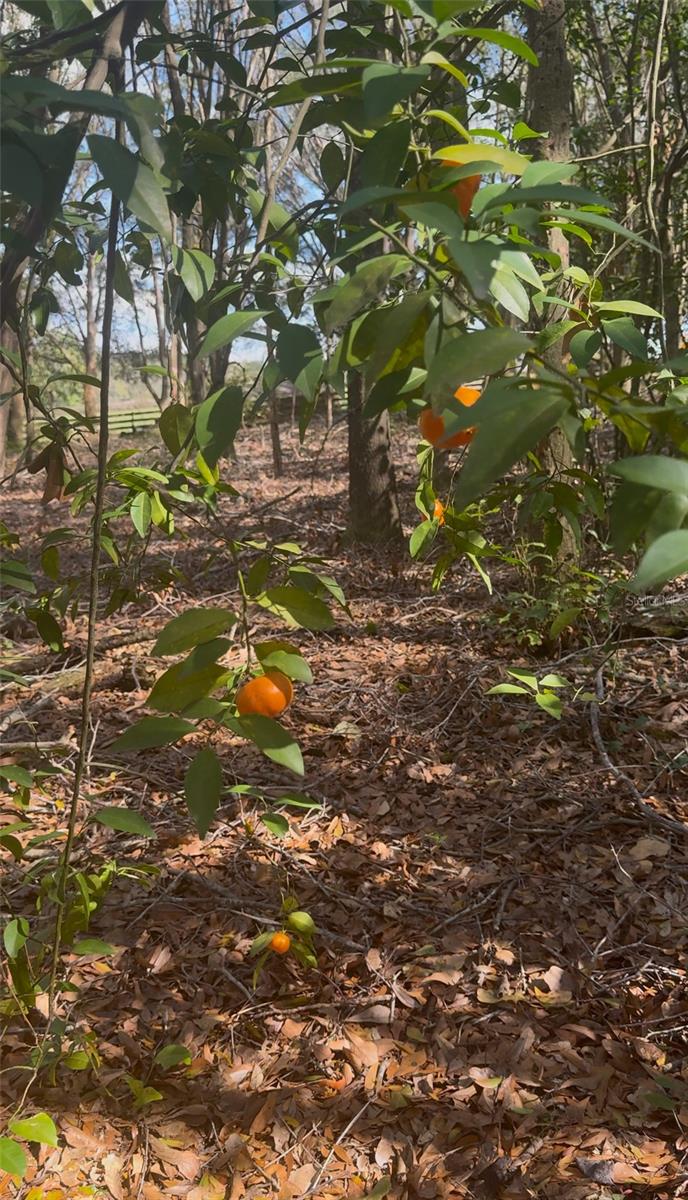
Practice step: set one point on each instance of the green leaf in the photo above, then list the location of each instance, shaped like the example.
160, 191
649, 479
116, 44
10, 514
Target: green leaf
16, 774
471, 356
355, 292
625, 333
282, 227
654, 471
554, 681
510, 293
510, 423
93, 946
229, 327
176, 423
332, 166
172, 1056
385, 154
140, 513
203, 788
78, 1060
301, 607
8, 842
14, 935
664, 560
272, 739
385, 85
297, 800
182, 685
506, 688
584, 346
540, 172
48, 628
296, 345
192, 628
627, 306
132, 182
218, 420
276, 823
16, 574
39, 1128
124, 820
598, 221
434, 59
196, 269
122, 282
282, 656
498, 37
522, 132
551, 704
507, 161
151, 732
12, 1157
425, 532
390, 337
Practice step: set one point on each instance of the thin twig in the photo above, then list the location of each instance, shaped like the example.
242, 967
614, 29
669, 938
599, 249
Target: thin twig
99, 499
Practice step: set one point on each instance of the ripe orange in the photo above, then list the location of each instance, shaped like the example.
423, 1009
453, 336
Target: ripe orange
465, 191
432, 427
266, 696
280, 943
438, 512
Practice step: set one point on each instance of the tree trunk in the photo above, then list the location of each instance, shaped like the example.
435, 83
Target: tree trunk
373, 506
8, 340
91, 392
374, 517
549, 107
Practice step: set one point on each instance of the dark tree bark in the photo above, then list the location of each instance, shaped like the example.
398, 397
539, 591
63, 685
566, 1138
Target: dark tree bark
374, 517
8, 340
549, 106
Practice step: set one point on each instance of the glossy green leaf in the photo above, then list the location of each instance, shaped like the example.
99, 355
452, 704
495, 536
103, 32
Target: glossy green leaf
229, 327
176, 423
282, 656
132, 182
196, 269
124, 820
472, 356
507, 161
192, 628
510, 421
272, 739
625, 333
203, 788
218, 420
385, 154
140, 513
385, 85
301, 607
626, 306
182, 685
296, 345
151, 732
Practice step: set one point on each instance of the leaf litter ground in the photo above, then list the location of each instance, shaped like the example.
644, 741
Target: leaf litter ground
500, 1008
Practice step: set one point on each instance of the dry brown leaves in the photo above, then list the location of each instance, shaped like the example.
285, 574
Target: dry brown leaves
500, 1009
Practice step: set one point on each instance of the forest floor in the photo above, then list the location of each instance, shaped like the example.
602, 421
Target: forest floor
500, 1006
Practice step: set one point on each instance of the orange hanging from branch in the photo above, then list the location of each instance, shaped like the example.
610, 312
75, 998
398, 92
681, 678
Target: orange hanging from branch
432, 426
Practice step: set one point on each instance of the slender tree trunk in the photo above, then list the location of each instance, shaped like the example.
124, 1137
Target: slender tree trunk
373, 506
549, 103
91, 392
374, 516
8, 340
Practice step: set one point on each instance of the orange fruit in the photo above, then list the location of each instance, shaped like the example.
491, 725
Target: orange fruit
465, 191
432, 427
280, 943
438, 512
265, 696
